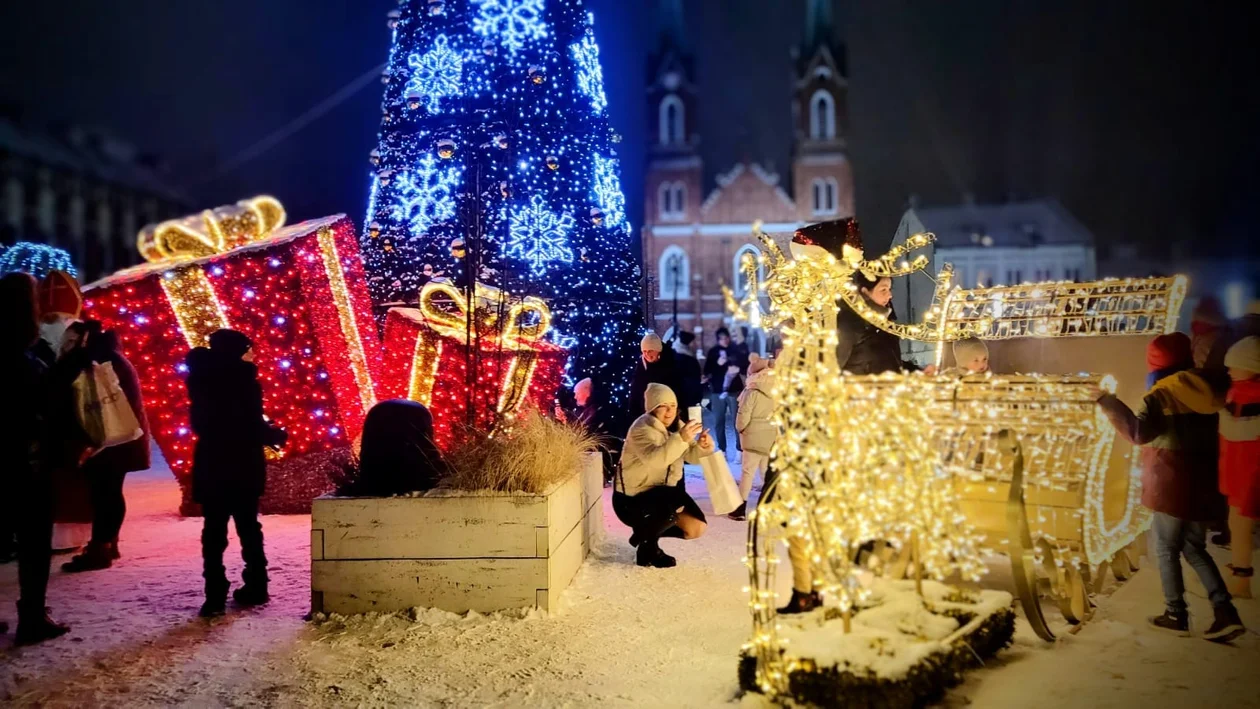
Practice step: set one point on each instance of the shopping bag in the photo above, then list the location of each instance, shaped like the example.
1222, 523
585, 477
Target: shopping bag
723, 492
102, 408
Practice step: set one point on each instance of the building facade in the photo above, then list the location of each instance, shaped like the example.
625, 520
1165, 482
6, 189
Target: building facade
696, 234
82, 191
1009, 244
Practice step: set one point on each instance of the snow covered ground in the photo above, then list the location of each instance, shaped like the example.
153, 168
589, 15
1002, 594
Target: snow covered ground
623, 636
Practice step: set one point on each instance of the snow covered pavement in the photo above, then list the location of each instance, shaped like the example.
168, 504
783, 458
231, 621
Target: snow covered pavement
623, 636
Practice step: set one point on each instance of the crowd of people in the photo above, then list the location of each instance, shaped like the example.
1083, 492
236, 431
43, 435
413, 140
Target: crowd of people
77, 426
1198, 427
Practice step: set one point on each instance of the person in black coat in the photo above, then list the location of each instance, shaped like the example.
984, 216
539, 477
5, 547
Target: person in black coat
656, 366
27, 497
229, 468
862, 347
690, 388
105, 471
398, 454
724, 371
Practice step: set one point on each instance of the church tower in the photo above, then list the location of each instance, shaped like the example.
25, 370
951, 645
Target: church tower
822, 178
673, 180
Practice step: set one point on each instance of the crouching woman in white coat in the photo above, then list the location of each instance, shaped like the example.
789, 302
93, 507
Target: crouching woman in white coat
646, 495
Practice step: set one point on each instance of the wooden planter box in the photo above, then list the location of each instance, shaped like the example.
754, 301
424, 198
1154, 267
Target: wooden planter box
452, 550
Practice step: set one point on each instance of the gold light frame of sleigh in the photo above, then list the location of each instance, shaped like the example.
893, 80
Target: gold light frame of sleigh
1034, 464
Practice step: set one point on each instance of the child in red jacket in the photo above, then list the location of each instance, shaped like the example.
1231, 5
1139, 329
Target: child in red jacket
1240, 457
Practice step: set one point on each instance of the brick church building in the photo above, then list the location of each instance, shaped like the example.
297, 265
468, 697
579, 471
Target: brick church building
695, 234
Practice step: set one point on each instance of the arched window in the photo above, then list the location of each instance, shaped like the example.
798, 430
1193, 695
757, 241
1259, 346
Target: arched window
822, 116
672, 201
675, 273
671, 121
741, 279
826, 195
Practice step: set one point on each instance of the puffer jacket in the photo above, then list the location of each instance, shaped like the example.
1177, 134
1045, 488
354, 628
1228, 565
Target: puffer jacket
1240, 447
757, 431
653, 456
1176, 427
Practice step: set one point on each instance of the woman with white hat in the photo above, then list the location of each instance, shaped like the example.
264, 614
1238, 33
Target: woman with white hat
646, 494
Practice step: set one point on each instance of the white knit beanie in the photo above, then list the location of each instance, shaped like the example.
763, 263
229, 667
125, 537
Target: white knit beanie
1244, 355
652, 343
658, 395
968, 349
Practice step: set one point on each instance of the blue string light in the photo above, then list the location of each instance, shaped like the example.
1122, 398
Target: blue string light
590, 77
519, 151
425, 196
512, 23
436, 75
35, 259
539, 236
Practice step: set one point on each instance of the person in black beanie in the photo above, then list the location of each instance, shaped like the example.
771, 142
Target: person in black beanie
229, 467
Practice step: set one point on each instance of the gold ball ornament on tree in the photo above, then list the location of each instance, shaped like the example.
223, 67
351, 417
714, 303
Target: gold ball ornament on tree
459, 249
374, 157
597, 216
501, 141
537, 74
392, 18
374, 229
415, 100
505, 189
384, 176
553, 162
437, 7
488, 48
446, 148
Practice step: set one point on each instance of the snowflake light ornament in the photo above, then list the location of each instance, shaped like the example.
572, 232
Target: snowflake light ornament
511, 22
436, 74
607, 190
539, 236
590, 76
425, 196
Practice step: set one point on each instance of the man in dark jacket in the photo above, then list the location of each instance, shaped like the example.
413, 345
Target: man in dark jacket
105, 471
1177, 429
656, 366
724, 372
690, 387
229, 468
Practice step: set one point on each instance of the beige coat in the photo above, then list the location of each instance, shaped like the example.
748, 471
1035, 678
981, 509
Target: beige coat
653, 456
757, 431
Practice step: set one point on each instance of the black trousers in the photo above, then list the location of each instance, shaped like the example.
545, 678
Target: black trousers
33, 525
244, 513
109, 507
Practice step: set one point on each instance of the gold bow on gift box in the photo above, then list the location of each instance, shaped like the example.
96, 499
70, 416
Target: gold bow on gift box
213, 231
499, 323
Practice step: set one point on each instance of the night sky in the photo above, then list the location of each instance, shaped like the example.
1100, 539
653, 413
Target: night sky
1143, 121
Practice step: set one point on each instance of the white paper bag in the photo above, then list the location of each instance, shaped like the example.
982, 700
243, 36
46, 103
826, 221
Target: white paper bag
723, 492
102, 408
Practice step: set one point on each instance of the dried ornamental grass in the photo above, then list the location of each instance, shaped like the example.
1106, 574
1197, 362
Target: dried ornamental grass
531, 455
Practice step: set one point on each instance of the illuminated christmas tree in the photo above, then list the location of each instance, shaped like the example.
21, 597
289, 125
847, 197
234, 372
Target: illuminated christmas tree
496, 163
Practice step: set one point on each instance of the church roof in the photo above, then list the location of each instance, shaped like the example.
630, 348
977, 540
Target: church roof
1038, 222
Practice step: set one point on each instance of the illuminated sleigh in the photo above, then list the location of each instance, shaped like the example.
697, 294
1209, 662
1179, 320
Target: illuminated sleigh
1061, 491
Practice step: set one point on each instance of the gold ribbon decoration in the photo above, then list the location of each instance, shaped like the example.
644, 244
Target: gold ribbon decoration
510, 325
213, 231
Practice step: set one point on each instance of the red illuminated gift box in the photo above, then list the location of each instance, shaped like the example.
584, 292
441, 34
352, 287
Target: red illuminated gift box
429, 352
298, 292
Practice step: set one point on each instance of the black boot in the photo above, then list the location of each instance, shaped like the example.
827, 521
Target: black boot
801, 603
35, 626
1178, 623
739, 514
216, 599
653, 530
1225, 627
94, 558
650, 554
253, 593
